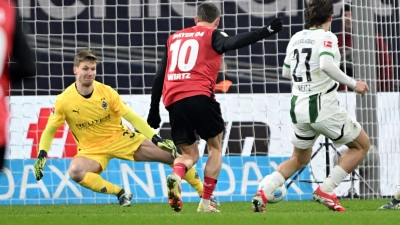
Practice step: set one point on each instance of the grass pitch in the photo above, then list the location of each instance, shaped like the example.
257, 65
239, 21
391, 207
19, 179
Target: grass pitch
292, 212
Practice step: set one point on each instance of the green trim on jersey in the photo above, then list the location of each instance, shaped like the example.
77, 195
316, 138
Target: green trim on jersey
292, 107
313, 107
286, 65
326, 53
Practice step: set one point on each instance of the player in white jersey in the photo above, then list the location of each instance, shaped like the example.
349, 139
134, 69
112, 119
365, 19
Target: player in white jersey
312, 62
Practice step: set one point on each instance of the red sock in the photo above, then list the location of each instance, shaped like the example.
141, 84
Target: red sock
208, 187
179, 169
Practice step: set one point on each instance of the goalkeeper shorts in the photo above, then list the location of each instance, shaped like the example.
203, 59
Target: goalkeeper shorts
121, 148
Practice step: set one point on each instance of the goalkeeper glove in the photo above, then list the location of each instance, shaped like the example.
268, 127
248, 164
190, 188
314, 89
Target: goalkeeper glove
39, 164
166, 145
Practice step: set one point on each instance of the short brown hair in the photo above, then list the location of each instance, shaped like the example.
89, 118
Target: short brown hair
85, 55
208, 12
318, 12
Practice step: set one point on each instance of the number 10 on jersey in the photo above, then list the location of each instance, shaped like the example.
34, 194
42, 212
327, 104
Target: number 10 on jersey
184, 55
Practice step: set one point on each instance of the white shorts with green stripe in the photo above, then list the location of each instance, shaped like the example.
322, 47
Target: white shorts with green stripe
340, 128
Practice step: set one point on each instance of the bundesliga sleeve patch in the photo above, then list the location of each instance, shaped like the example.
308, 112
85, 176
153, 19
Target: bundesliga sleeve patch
328, 44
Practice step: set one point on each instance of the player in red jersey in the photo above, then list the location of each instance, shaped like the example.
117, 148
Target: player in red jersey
186, 79
12, 43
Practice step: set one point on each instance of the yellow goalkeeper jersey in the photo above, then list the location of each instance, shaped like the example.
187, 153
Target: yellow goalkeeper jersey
93, 121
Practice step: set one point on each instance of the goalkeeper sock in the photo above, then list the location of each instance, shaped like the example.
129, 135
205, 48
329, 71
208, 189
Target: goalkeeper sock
194, 180
179, 169
208, 188
96, 183
333, 180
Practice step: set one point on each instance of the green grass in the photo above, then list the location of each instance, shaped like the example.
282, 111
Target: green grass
293, 212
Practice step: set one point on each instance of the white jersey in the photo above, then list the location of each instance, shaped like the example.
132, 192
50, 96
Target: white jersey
314, 92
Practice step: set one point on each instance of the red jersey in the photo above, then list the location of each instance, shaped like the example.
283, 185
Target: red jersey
192, 65
7, 27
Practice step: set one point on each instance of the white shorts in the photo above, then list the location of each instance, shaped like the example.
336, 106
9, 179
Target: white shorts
340, 128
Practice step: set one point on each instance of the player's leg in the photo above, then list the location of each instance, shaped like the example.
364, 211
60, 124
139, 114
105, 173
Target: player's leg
211, 173
303, 139
299, 159
150, 152
85, 171
193, 179
183, 135
143, 149
180, 170
341, 129
395, 203
210, 127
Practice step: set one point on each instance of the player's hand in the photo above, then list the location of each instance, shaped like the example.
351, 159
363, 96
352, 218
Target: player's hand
39, 164
166, 145
361, 88
154, 119
273, 27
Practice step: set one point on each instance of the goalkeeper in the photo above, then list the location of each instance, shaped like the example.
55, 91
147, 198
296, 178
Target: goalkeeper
93, 112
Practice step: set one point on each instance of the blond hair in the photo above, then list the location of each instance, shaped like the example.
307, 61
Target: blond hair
85, 55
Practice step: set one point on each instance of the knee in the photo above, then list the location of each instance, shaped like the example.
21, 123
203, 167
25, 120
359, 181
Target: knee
76, 172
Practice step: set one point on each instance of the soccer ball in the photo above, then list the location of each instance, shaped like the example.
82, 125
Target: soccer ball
278, 195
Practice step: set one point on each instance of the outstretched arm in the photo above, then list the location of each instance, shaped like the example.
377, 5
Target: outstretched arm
222, 43
141, 125
56, 119
47, 138
44, 145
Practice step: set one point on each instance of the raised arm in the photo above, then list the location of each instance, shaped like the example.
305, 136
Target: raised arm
223, 43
